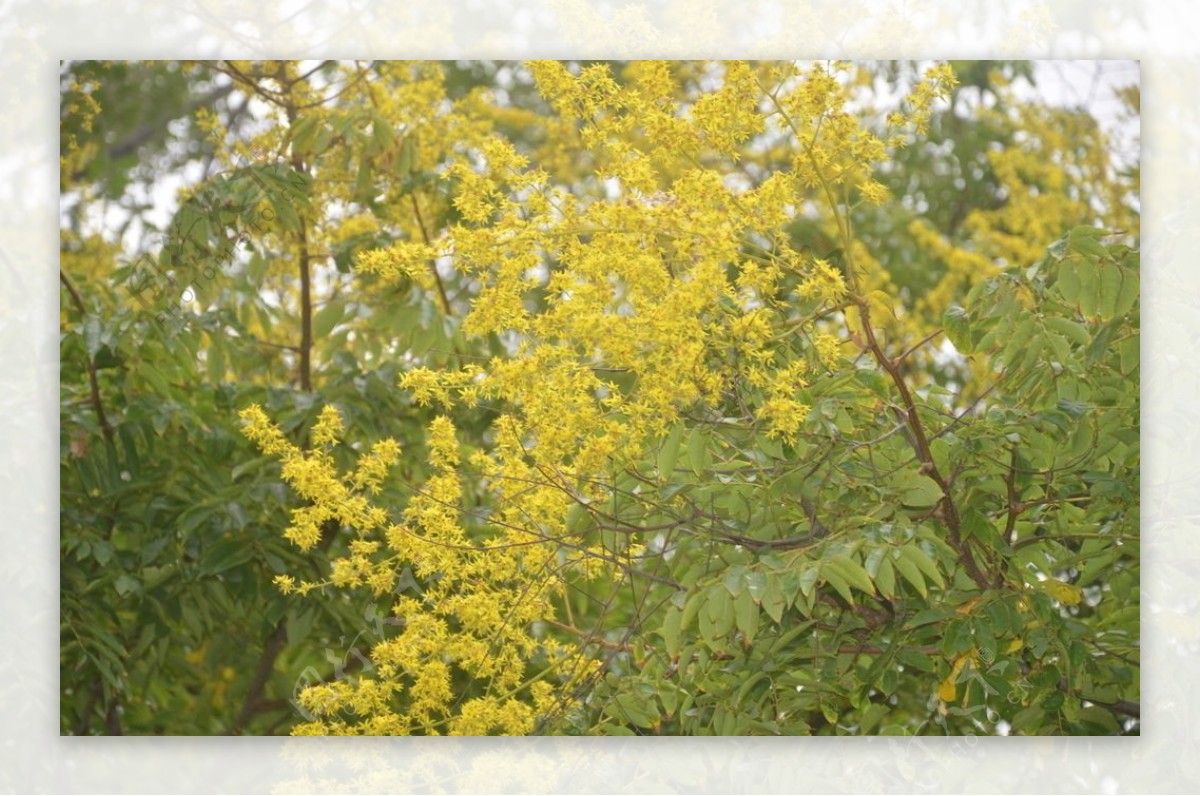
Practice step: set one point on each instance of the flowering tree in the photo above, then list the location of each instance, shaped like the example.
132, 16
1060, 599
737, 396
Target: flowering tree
705, 425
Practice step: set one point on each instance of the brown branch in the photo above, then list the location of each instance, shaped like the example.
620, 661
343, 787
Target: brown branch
589, 637
965, 413
269, 344
1014, 508
306, 338
920, 443
306, 335
1059, 537
250, 81
142, 135
112, 720
254, 703
137, 138
917, 345
94, 382
445, 299
262, 673
871, 649
859, 649
1124, 707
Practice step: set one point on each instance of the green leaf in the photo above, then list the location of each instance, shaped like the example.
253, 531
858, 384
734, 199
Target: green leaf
382, 134
405, 160
288, 217
668, 454
746, 615
1096, 566
1059, 348
911, 573
1017, 343
303, 133
735, 579
364, 183
1095, 720
871, 717
874, 559
853, 573
608, 730
1089, 289
717, 616
1130, 352
957, 639
773, 601
627, 707
299, 624
225, 555
577, 515
918, 491
885, 578
671, 627
691, 608
808, 579
102, 551
839, 583
1110, 290
1068, 283
1130, 290
91, 335
915, 659
1075, 332
756, 584
923, 562
215, 361
327, 318
697, 451
127, 584
1085, 240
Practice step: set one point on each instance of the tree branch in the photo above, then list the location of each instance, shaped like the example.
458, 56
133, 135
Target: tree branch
432, 265
1014, 508
94, 382
920, 442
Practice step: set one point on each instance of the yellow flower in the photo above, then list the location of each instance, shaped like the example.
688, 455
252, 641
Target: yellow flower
828, 349
328, 427
404, 259
823, 282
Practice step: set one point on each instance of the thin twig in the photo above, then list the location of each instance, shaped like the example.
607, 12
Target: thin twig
445, 299
94, 382
1014, 508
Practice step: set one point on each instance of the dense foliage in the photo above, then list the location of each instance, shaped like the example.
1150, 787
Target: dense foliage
596, 398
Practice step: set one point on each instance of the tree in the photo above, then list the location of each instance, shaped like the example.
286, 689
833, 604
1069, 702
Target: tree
698, 411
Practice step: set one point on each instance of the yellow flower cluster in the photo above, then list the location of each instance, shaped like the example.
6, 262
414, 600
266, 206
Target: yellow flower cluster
729, 116
665, 285
409, 259
315, 478
475, 614
829, 349
823, 283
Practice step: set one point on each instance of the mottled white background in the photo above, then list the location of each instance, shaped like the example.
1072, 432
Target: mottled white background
35, 34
